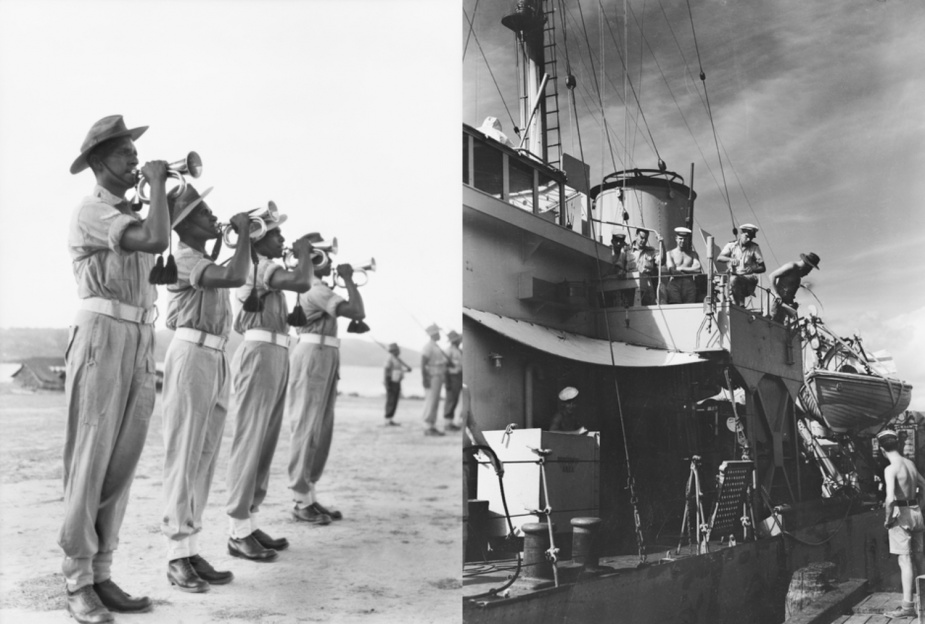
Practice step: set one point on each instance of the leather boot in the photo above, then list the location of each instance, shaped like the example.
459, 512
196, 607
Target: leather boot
249, 548
180, 573
114, 599
311, 514
85, 606
266, 541
335, 514
209, 574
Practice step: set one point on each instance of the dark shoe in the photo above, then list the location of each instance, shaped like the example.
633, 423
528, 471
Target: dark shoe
452, 427
85, 606
209, 574
335, 515
268, 542
901, 612
180, 572
311, 514
249, 548
392, 423
114, 599
433, 431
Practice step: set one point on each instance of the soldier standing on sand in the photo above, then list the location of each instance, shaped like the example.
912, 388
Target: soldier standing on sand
433, 371
903, 517
395, 370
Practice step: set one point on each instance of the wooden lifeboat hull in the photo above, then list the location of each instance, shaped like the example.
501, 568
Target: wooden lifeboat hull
848, 401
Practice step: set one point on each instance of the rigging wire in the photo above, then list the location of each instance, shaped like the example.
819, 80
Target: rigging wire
703, 80
488, 65
475, 10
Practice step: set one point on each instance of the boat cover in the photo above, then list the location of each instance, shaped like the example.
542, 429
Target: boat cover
577, 347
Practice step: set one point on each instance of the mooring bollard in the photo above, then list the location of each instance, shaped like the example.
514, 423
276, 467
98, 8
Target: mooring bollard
584, 541
536, 543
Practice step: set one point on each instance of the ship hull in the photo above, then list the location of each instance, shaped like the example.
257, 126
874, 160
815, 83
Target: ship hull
850, 402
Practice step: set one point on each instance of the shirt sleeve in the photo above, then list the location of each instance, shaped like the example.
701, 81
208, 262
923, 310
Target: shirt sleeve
265, 271
323, 298
192, 269
100, 226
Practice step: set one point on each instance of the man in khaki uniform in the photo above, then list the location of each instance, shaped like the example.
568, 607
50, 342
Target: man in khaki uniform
196, 383
433, 371
109, 362
454, 380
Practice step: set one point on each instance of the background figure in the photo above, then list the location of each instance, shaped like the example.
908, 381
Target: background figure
454, 380
566, 418
313, 372
745, 263
622, 260
905, 489
395, 370
645, 260
109, 363
433, 371
785, 282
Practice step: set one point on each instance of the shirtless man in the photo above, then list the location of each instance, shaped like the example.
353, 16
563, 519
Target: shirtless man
683, 264
785, 282
903, 517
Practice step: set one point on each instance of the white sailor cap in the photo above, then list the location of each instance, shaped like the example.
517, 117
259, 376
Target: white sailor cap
748, 227
682, 231
568, 393
886, 433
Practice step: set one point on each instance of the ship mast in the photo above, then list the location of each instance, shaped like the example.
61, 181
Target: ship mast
528, 21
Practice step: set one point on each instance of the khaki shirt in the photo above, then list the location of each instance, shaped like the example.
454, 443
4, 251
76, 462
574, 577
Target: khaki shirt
192, 305
454, 366
748, 256
434, 358
273, 316
320, 307
102, 268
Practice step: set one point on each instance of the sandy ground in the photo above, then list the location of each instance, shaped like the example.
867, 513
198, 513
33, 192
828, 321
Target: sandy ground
394, 558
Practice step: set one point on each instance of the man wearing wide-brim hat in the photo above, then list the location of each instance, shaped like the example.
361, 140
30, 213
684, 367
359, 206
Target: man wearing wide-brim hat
259, 372
110, 368
785, 282
196, 382
433, 373
745, 263
311, 394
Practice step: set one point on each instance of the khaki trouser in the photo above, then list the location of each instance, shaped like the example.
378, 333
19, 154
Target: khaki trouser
310, 399
195, 402
259, 373
432, 396
110, 396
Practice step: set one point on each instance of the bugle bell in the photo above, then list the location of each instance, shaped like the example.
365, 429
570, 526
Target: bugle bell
228, 232
191, 166
321, 255
359, 271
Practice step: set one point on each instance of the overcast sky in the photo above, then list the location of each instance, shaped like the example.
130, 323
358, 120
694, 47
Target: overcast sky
344, 112
818, 107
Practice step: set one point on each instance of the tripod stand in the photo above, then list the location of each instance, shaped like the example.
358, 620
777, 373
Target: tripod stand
693, 499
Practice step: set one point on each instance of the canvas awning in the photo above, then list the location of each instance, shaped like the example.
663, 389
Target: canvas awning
577, 347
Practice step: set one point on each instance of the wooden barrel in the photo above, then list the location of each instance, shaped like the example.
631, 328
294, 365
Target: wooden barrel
807, 584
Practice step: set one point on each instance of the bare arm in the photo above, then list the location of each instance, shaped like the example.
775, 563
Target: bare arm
234, 273
352, 308
298, 279
153, 234
889, 479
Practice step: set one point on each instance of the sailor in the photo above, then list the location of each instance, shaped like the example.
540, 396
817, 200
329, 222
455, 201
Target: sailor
622, 257
682, 263
645, 260
785, 282
454, 380
491, 128
745, 263
395, 370
196, 383
905, 488
566, 418
260, 369
312, 391
433, 371
110, 372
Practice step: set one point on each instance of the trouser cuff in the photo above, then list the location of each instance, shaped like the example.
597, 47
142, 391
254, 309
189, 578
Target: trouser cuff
239, 529
178, 549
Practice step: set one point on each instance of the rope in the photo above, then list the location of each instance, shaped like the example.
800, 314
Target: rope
488, 65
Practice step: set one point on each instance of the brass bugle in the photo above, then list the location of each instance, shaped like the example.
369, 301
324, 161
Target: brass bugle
359, 271
228, 232
190, 166
321, 254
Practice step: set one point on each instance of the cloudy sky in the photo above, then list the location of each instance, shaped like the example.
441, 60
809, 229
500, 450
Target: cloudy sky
818, 111
344, 112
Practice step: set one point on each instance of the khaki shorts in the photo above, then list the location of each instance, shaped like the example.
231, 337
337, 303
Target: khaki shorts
908, 534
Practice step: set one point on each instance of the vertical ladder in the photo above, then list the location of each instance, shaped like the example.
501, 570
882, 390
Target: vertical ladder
553, 144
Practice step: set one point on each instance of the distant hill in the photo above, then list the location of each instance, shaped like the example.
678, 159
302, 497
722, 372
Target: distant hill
21, 344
